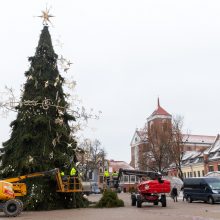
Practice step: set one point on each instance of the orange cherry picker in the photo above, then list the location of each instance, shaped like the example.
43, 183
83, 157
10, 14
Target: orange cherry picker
12, 188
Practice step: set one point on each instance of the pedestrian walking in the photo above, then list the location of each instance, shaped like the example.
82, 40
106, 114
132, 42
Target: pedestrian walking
184, 195
174, 193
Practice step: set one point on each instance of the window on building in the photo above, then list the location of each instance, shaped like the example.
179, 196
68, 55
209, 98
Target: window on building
198, 173
132, 179
101, 179
90, 175
211, 168
203, 173
200, 160
191, 160
218, 167
184, 174
164, 127
211, 155
184, 161
190, 174
125, 178
194, 173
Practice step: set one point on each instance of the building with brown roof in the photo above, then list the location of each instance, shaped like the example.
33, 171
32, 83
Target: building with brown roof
212, 156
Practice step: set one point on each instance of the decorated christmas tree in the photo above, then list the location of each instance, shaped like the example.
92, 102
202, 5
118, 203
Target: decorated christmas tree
41, 137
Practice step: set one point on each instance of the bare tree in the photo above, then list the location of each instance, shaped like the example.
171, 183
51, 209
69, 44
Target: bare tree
163, 146
93, 154
155, 153
177, 146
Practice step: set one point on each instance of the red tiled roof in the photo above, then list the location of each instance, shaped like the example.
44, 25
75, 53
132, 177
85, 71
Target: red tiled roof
160, 110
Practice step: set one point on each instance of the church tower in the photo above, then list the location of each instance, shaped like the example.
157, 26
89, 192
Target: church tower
159, 121
159, 117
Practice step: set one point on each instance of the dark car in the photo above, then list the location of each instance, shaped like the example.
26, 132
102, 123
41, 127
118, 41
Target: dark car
205, 189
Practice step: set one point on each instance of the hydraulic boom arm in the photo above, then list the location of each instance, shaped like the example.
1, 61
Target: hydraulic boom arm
151, 174
63, 186
19, 178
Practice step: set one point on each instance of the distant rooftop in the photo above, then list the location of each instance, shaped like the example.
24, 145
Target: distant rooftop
116, 165
198, 139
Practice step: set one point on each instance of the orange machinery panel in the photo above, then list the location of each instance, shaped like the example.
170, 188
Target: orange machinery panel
6, 191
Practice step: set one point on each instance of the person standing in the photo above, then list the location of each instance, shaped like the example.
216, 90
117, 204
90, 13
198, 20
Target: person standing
73, 174
107, 177
64, 179
174, 194
115, 179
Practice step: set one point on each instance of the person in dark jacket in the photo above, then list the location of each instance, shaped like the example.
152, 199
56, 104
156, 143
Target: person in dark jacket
184, 195
174, 194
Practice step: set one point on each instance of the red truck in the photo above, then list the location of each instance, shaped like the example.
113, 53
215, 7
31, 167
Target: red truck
152, 191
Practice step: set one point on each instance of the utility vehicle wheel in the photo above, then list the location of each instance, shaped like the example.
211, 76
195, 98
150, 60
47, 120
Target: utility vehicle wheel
189, 199
138, 201
163, 201
210, 200
12, 208
133, 199
156, 203
21, 204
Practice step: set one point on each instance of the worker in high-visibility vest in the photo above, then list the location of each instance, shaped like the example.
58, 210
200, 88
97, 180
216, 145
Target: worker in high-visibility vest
73, 177
107, 177
63, 176
73, 172
115, 178
64, 179
114, 175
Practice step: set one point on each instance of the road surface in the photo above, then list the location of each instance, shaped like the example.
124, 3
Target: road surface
174, 211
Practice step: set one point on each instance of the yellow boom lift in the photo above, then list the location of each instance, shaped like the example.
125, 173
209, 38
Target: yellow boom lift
11, 188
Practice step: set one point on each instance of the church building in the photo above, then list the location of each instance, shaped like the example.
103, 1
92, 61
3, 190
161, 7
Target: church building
192, 143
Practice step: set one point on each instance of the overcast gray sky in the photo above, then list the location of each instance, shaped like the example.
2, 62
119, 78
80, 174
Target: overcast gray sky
125, 55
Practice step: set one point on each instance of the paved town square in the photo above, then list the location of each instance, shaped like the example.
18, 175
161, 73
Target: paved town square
101, 99
174, 211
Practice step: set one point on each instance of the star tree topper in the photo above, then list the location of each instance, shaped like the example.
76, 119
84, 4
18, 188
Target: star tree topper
46, 16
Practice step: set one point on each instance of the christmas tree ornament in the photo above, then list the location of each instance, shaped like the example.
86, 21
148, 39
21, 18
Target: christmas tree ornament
69, 63
35, 84
66, 69
46, 103
30, 77
46, 16
46, 84
54, 142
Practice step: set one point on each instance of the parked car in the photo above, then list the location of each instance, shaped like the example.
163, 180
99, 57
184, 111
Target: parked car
205, 189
